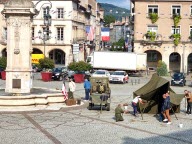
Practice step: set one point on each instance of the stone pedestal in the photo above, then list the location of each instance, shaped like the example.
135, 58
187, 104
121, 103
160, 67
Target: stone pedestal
19, 46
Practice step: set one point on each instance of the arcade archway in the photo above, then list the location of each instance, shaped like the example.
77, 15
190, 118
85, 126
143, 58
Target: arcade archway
58, 56
189, 61
175, 62
4, 52
153, 57
37, 51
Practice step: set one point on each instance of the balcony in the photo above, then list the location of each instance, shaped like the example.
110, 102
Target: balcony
79, 39
155, 39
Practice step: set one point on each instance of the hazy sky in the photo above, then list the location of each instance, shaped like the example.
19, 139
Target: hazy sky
119, 3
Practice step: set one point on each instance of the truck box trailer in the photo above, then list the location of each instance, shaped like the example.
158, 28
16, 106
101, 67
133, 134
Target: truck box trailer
118, 61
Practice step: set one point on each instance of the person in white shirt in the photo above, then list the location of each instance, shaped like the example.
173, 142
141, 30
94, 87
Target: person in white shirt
135, 102
72, 86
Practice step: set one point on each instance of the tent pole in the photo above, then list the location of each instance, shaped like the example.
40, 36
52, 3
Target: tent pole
185, 105
141, 111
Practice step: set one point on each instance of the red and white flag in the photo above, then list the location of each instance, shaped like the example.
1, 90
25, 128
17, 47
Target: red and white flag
105, 34
64, 92
90, 30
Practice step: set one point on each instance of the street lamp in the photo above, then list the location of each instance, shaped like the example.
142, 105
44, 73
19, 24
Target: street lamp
45, 35
47, 17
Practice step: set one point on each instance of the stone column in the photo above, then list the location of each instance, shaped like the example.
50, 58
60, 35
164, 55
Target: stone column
165, 58
19, 46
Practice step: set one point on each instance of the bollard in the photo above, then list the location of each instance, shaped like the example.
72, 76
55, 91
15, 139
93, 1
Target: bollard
132, 82
135, 81
138, 81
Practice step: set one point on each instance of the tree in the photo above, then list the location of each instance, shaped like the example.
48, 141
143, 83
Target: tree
46, 63
3, 62
79, 66
109, 19
118, 45
161, 68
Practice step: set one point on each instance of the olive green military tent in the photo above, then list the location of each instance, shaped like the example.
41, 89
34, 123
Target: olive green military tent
152, 93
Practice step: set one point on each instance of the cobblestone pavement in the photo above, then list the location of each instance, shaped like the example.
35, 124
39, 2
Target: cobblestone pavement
79, 125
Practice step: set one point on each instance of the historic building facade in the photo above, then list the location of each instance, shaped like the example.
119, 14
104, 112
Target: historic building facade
163, 30
69, 21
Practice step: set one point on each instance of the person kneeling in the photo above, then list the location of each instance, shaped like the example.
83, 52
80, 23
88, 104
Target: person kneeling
119, 113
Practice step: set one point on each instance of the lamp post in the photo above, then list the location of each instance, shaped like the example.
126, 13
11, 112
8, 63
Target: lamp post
45, 35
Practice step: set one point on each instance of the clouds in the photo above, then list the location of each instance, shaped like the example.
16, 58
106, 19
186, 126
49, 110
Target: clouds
119, 3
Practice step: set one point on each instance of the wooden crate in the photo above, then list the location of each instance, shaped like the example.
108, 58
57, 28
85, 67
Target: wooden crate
70, 102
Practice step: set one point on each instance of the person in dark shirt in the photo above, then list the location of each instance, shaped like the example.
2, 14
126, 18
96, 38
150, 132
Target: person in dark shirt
166, 107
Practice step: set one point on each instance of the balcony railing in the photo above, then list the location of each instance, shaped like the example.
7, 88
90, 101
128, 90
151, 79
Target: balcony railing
148, 40
75, 40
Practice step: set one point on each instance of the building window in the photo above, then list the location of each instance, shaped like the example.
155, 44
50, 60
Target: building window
152, 56
60, 32
176, 10
46, 33
33, 33
60, 12
190, 30
191, 11
89, 9
152, 29
175, 30
152, 9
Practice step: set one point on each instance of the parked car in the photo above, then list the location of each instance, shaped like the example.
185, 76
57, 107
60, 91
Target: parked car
101, 73
119, 76
178, 79
59, 73
111, 72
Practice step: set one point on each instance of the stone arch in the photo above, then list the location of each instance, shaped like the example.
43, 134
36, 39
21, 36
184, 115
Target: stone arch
174, 62
58, 56
4, 52
37, 51
189, 62
153, 56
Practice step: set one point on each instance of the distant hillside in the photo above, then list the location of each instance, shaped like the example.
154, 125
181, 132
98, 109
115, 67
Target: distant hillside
112, 10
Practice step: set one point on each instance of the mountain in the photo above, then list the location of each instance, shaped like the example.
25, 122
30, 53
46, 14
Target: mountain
119, 3
116, 11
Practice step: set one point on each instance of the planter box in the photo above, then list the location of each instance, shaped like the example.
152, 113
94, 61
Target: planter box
70, 102
3, 75
79, 78
46, 76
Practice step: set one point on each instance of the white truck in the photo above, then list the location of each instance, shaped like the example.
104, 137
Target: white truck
127, 61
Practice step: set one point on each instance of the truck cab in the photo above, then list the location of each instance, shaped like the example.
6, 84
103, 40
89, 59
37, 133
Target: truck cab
90, 60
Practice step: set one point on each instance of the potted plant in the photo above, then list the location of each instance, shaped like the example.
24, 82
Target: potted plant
80, 68
150, 35
176, 38
46, 64
176, 19
154, 17
3, 65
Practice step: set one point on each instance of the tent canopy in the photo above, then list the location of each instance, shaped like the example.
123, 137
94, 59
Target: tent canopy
152, 93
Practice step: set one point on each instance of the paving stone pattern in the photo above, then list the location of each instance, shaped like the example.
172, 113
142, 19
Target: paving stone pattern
71, 125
